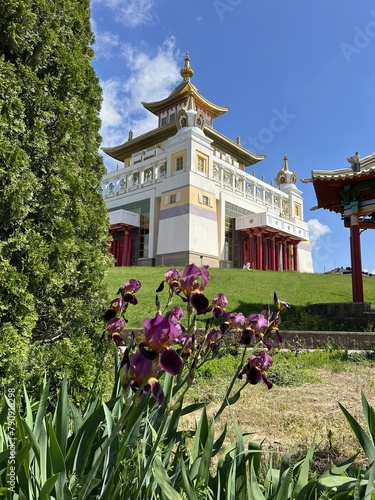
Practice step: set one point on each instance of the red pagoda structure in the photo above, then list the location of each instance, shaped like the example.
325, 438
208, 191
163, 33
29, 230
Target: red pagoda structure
350, 192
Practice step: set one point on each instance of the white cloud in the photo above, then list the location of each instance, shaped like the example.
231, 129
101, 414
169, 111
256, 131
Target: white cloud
105, 42
152, 76
131, 13
316, 231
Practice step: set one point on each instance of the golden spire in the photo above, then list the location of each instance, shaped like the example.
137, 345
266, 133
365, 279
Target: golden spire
285, 166
186, 72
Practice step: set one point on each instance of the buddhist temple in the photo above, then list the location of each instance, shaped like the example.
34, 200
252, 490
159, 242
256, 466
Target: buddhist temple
182, 194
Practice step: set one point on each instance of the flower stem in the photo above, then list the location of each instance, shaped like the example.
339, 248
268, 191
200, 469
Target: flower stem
225, 403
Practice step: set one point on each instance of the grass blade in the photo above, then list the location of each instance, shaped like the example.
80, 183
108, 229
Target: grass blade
364, 440
62, 416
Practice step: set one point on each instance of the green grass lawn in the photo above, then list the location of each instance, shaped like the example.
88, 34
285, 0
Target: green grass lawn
247, 292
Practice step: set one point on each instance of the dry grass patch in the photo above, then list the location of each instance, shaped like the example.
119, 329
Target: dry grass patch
287, 418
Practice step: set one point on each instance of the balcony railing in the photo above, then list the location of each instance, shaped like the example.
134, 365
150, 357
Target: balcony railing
147, 170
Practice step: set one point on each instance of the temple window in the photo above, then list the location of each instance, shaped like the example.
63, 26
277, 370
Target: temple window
201, 164
297, 210
179, 163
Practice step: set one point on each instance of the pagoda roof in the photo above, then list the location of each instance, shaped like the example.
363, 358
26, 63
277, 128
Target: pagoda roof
226, 145
157, 135
328, 184
184, 90
141, 142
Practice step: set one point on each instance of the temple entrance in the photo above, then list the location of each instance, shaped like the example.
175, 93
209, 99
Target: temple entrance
122, 246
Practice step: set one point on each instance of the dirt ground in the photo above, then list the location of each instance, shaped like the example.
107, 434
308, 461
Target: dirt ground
288, 418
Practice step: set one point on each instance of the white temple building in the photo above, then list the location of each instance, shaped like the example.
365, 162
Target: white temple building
181, 195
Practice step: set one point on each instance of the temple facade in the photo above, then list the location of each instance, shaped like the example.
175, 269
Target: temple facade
181, 194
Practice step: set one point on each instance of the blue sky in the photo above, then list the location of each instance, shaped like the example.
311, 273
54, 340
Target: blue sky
298, 77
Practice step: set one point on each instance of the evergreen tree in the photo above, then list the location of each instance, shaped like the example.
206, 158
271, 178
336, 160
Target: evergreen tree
53, 221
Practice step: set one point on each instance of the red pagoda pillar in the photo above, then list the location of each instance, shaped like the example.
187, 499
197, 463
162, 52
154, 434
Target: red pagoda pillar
273, 254
265, 254
125, 254
277, 255
259, 257
356, 261
250, 246
285, 255
295, 256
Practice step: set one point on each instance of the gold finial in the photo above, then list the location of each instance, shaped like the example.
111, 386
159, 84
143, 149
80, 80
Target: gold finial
186, 72
285, 166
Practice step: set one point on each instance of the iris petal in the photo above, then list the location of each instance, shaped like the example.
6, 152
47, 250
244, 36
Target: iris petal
205, 277
199, 302
171, 362
267, 382
254, 376
156, 390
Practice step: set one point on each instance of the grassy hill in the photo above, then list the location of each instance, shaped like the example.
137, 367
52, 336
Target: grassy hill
248, 292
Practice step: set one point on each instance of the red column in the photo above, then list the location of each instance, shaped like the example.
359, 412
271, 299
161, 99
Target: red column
259, 259
251, 251
295, 256
125, 253
356, 261
285, 255
265, 254
115, 251
130, 251
273, 254
277, 255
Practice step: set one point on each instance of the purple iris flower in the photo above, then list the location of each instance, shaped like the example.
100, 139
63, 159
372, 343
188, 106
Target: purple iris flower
257, 322
256, 368
234, 321
160, 332
256, 326
175, 314
142, 369
188, 345
114, 308
189, 280
212, 340
172, 278
219, 304
129, 290
115, 328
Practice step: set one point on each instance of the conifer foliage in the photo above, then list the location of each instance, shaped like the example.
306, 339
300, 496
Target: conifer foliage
53, 221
